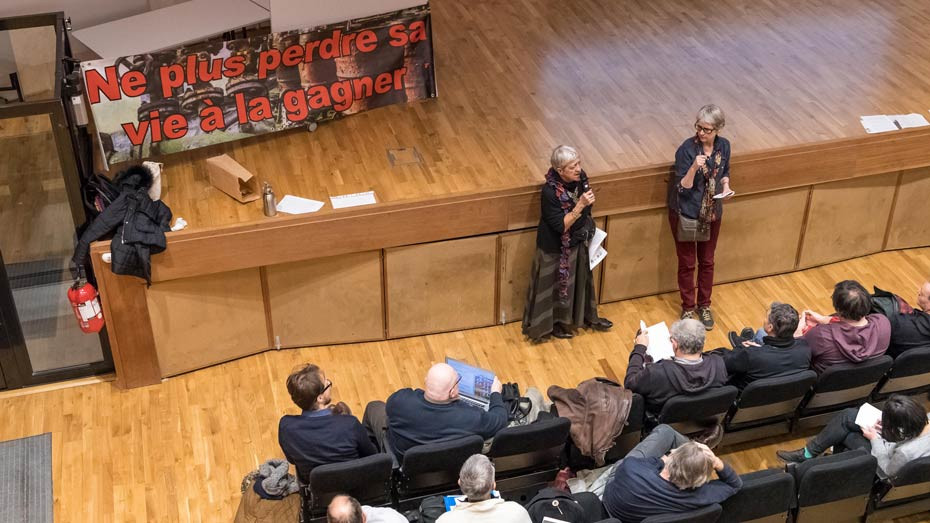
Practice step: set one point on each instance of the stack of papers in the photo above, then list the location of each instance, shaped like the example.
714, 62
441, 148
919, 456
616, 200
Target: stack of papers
880, 123
353, 200
660, 344
596, 252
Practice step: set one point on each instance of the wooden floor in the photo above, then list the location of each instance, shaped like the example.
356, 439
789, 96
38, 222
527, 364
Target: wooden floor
620, 80
177, 451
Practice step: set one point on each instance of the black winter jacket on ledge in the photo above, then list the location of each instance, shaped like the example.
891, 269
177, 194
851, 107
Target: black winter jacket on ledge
140, 225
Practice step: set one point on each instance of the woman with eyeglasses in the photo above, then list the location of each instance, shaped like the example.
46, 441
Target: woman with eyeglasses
322, 433
561, 297
901, 436
695, 202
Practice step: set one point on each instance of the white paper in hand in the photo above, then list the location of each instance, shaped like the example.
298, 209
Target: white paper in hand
596, 257
868, 416
596, 252
660, 344
724, 195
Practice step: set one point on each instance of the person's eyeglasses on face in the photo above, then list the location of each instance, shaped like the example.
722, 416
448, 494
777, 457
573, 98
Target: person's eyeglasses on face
704, 130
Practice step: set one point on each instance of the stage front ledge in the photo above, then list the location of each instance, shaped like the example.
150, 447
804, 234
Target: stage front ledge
457, 262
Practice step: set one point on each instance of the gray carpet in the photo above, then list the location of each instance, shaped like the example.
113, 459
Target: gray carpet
26, 481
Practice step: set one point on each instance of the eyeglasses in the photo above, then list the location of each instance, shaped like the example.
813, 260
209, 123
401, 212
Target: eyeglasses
455, 384
704, 130
329, 383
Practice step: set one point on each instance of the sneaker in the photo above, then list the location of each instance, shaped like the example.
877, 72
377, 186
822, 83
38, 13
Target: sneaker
791, 456
747, 334
689, 315
706, 317
736, 340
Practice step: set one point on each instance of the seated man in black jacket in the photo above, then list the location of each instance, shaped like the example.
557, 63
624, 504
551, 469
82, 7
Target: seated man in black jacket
417, 417
323, 432
689, 372
778, 354
911, 330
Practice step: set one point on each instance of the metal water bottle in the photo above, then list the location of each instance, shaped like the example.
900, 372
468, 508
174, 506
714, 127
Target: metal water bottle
270, 207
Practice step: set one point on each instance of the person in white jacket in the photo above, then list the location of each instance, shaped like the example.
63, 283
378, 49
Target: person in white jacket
476, 480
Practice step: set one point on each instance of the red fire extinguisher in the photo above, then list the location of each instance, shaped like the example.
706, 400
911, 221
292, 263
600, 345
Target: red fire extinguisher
86, 306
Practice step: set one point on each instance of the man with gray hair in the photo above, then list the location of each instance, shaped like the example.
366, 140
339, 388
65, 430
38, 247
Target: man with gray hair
688, 372
476, 480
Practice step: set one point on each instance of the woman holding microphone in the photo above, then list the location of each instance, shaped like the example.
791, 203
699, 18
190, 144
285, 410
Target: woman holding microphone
695, 194
561, 294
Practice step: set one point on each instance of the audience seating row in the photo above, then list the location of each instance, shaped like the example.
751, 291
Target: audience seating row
528, 457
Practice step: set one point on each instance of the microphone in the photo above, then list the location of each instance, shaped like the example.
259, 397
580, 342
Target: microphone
585, 186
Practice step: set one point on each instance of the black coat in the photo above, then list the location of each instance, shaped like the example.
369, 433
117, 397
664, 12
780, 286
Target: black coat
140, 225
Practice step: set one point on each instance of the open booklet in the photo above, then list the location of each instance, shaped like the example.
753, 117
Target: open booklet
868, 415
660, 344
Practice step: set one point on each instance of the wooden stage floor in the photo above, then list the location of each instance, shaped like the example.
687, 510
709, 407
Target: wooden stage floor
177, 451
620, 80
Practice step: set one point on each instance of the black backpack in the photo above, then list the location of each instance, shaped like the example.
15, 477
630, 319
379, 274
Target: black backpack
430, 509
556, 504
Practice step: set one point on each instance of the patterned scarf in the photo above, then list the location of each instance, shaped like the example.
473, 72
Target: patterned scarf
567, 202
708, 212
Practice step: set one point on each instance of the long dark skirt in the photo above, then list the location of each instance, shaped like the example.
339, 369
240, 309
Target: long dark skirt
543, 307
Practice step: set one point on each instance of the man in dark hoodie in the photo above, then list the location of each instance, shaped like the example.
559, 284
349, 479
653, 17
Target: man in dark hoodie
778, 354
911, 330
851, 335
688, 372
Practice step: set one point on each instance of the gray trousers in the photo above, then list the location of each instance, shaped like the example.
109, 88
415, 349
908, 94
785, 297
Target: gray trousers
658, 443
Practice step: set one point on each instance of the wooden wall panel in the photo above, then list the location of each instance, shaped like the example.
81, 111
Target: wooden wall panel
441, 286
516, 259
640, 255
847, 219
207, 320
909, 224
327, 300
760, 234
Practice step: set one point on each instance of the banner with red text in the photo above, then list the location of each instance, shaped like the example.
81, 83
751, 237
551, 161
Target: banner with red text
213, 92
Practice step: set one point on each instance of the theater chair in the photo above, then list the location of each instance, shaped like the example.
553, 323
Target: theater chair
841, 386
694, 413
432, 469
906, 493
834, 488
527, 457
909, 375
708, 514
629, 437
767, 496
766, 407
366, 479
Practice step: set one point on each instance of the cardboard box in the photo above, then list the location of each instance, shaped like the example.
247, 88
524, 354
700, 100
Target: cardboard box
232, 178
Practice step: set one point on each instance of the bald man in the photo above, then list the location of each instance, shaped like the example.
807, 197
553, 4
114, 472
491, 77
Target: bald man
909, 331
434, 413
346, 509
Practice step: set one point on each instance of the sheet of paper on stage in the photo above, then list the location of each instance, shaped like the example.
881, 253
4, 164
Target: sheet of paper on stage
596, 253
878, 123
908, 121
596, 257
660, 345
296, 205
352, 200
868, 415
